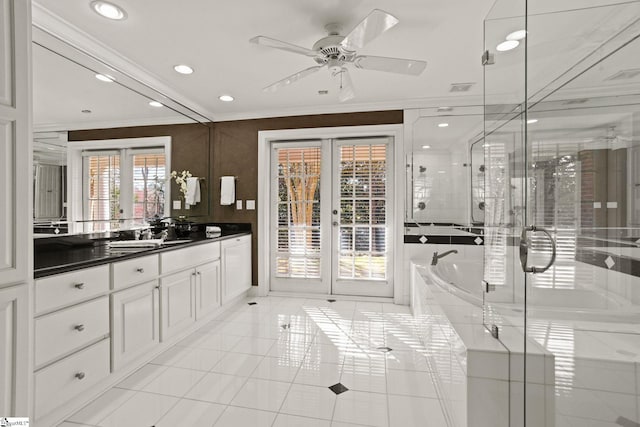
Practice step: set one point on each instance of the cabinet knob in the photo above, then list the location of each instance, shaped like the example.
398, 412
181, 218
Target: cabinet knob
140, 270
79, 327
80, 375
198, 273
79, 286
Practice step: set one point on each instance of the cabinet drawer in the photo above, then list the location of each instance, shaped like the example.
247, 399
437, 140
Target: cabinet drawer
137, 270
63, 331
70, 288
60, 382
180, 259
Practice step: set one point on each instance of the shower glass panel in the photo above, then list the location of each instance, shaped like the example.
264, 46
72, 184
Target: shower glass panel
505, 187
566, 161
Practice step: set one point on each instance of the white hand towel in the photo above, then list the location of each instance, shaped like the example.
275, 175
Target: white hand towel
227, 190
193, 191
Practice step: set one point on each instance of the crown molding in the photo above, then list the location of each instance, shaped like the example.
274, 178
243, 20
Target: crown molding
411, 104
104, 124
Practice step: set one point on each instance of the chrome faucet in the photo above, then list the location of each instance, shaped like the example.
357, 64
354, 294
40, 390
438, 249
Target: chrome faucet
436, 257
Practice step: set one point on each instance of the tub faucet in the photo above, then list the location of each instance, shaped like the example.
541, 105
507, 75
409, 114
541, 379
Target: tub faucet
436, 257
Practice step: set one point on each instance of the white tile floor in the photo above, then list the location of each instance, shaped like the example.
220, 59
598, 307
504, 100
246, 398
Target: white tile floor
245, 369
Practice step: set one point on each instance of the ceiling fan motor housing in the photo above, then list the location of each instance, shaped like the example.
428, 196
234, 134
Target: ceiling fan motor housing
330, 48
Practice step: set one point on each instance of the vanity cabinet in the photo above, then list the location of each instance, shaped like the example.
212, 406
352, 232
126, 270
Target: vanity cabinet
236, 267
189, 295
96, 323
133, 271
62, 290
64, 331
207, 288
68, 378
177, 302
135, 322
71, 335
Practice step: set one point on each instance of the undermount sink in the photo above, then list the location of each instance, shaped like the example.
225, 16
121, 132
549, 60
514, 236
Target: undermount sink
175, 242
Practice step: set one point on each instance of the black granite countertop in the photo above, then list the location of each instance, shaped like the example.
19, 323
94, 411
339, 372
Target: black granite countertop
57, 255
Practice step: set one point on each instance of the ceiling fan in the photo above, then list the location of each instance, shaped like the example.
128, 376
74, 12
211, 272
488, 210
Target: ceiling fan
336, 51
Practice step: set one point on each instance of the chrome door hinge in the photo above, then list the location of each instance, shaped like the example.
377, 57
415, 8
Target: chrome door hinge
495, 331
488, 58
488, 287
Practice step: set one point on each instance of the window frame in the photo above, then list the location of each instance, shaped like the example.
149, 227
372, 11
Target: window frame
127, 148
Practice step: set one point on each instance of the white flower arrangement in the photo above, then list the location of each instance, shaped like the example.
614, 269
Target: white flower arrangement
181, 180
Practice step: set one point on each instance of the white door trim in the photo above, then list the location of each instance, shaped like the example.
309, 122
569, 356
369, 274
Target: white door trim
264, 166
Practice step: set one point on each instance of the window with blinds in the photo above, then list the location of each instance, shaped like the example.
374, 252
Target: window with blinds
298, 207
149, 175
123, 187
363, 217
102, 190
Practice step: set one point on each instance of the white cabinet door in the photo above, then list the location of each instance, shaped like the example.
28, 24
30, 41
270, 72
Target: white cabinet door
134, 322
236, 267
177, 302
14, 347
15, 143
207, 288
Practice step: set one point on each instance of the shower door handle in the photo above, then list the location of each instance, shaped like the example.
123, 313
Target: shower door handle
524, 250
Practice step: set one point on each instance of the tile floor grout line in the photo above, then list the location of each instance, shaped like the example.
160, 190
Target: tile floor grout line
354, 328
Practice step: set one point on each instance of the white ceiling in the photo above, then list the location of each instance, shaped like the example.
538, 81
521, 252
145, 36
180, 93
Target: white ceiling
213, 38
62, 89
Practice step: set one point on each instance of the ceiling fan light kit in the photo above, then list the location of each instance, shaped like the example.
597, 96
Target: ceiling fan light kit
336, 52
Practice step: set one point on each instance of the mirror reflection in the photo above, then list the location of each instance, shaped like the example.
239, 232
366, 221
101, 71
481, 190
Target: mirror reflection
103, 151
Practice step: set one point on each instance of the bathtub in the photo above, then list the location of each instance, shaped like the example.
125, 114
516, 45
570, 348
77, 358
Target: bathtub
463, 278
582, 337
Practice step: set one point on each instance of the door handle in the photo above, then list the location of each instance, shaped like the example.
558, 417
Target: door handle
524, 250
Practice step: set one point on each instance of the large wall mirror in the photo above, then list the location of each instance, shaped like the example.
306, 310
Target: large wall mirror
445, 167
105, 145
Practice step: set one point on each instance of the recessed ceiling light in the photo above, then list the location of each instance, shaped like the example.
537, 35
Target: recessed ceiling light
442, 172
226, 98
426, 147
104, 78
183, 69
517, 35
155, 104
507, 45
443, 125
531, 121
108, 10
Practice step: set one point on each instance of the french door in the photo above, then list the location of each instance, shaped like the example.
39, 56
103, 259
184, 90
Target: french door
331, 216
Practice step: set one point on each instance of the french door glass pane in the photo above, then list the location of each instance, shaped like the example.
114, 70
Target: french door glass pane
362, 200
298, 223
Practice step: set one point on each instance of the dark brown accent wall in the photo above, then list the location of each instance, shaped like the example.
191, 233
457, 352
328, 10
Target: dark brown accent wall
235, 152
190, 150
231, 148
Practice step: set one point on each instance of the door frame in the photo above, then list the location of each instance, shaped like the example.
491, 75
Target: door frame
265, 138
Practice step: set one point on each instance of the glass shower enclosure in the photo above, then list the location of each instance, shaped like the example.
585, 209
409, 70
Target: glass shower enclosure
562, 208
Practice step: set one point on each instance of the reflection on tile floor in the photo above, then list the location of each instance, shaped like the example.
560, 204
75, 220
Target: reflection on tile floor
245, 369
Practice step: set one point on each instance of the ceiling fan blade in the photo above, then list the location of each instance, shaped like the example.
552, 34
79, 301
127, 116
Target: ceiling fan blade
345, 85
376, 23
279, 44
392, 65
292, 78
